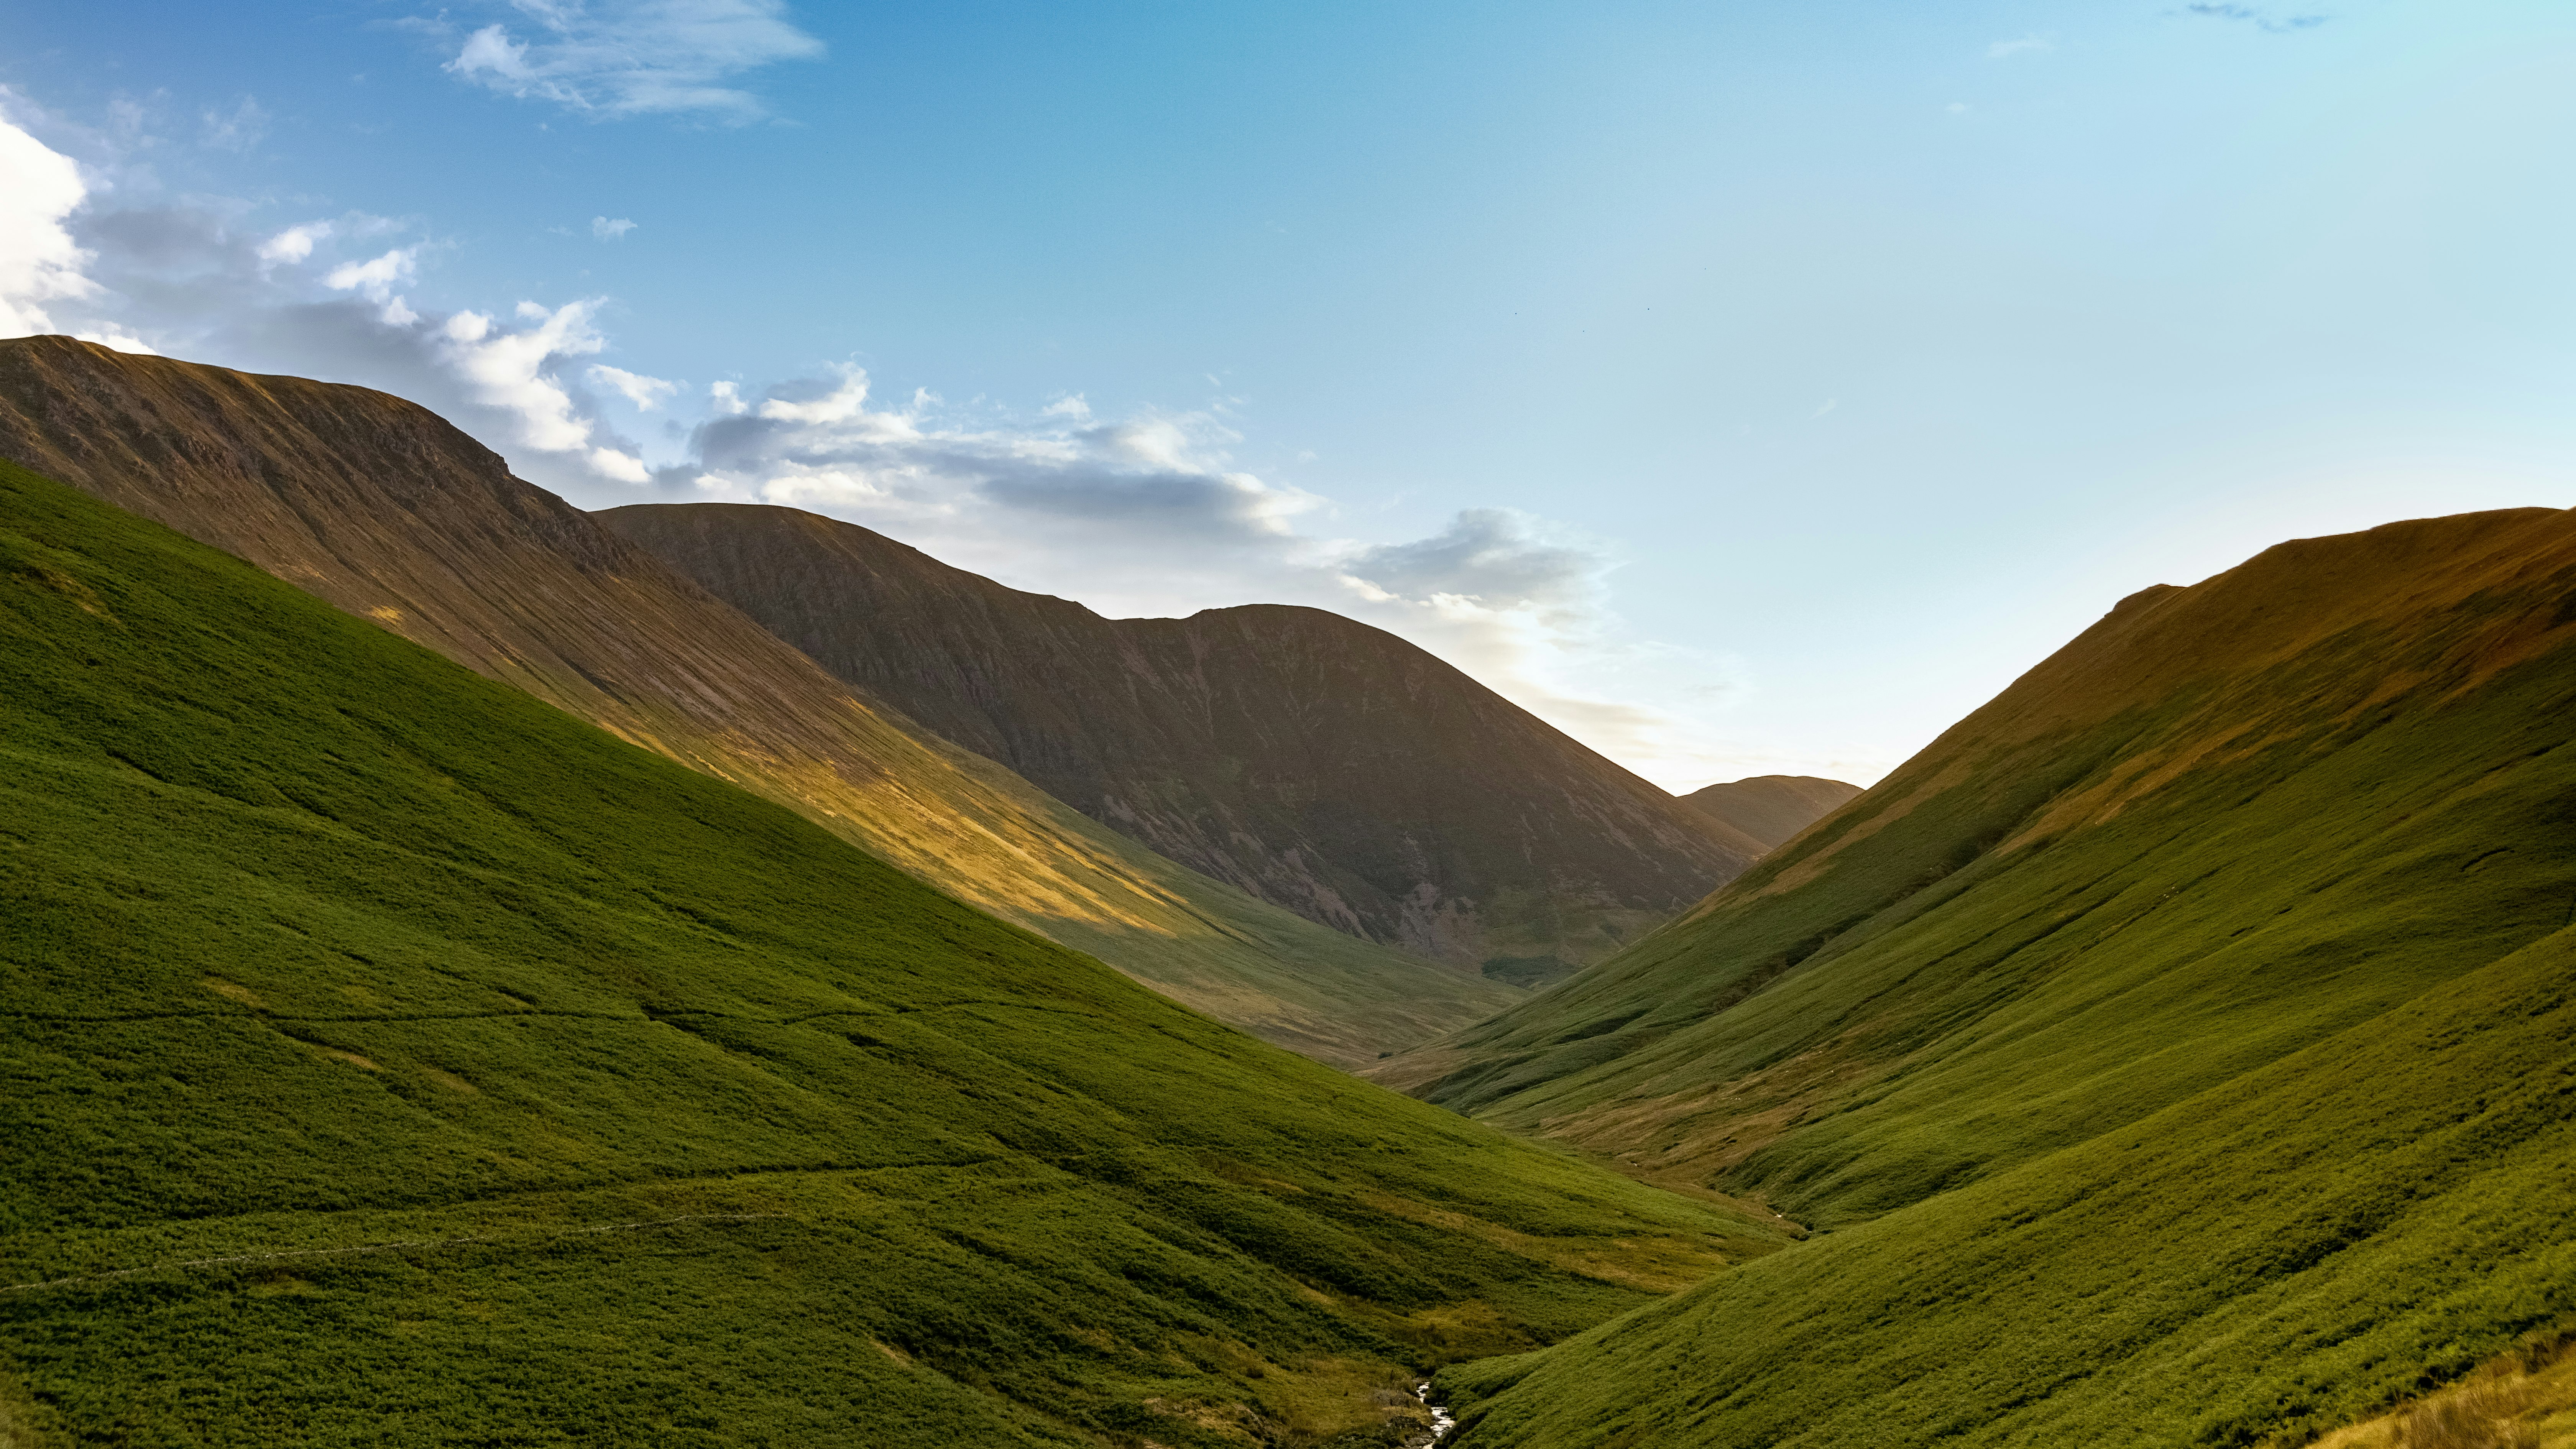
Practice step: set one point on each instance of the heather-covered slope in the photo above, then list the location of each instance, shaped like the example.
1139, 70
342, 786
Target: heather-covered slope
1314, 761
2225, 821
389, 1059
381, 508
1771, 808
2181, 1046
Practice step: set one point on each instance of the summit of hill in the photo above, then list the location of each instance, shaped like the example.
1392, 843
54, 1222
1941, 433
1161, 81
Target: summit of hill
1770, 809
1318, 763
383, 509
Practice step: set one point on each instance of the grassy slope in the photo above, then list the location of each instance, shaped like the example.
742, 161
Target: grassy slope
381, 508
2180, 1039
452, 1072
2388, 1206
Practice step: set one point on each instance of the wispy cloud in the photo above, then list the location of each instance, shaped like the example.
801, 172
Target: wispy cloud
646, 393
2261, 20
2026, 45
631, 57
239, 129
607, 230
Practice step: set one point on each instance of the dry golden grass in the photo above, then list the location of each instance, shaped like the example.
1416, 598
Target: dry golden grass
2525, 1400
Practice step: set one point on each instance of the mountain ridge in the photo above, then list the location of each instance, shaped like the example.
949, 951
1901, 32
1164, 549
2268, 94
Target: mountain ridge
386, 511
1317, 762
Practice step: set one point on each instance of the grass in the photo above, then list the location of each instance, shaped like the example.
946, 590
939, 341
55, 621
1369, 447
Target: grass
2387, 1207
388, 1058
2525, 1399
2178, 1052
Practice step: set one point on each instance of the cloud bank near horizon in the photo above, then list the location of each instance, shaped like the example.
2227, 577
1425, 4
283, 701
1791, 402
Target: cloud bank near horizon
1144, 515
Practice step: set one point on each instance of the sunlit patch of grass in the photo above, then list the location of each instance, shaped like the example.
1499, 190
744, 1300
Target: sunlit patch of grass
2522, 1400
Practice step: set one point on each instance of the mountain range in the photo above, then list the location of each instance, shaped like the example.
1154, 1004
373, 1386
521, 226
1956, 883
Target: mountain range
482, 972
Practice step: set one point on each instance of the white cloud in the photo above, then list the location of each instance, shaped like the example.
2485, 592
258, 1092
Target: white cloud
2026, 45
511, 372
295, 244
622, 467
376, 277
39, 260
726, 399
607, 230
632, 57
646, 393
120, 339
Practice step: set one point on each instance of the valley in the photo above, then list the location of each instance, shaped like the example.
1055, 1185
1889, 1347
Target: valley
478, 971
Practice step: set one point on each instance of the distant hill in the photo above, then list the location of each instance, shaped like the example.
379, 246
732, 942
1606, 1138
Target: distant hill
1318, 763
1771, 808
2179, 1050
392, 1059
381, 508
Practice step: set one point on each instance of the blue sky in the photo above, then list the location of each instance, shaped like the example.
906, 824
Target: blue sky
1745, 388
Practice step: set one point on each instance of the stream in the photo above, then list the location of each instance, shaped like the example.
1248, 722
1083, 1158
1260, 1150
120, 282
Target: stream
1442, 1421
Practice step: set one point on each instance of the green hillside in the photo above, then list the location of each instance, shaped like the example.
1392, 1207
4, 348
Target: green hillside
2179, 1048
393, 1059
385, 510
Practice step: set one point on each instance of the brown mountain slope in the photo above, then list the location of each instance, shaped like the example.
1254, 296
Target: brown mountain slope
1771, 808
1312, 760
382, 509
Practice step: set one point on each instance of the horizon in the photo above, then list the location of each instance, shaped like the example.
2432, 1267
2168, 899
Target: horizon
1970, 325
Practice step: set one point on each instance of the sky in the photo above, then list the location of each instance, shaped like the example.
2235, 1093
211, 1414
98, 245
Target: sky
1744, 389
